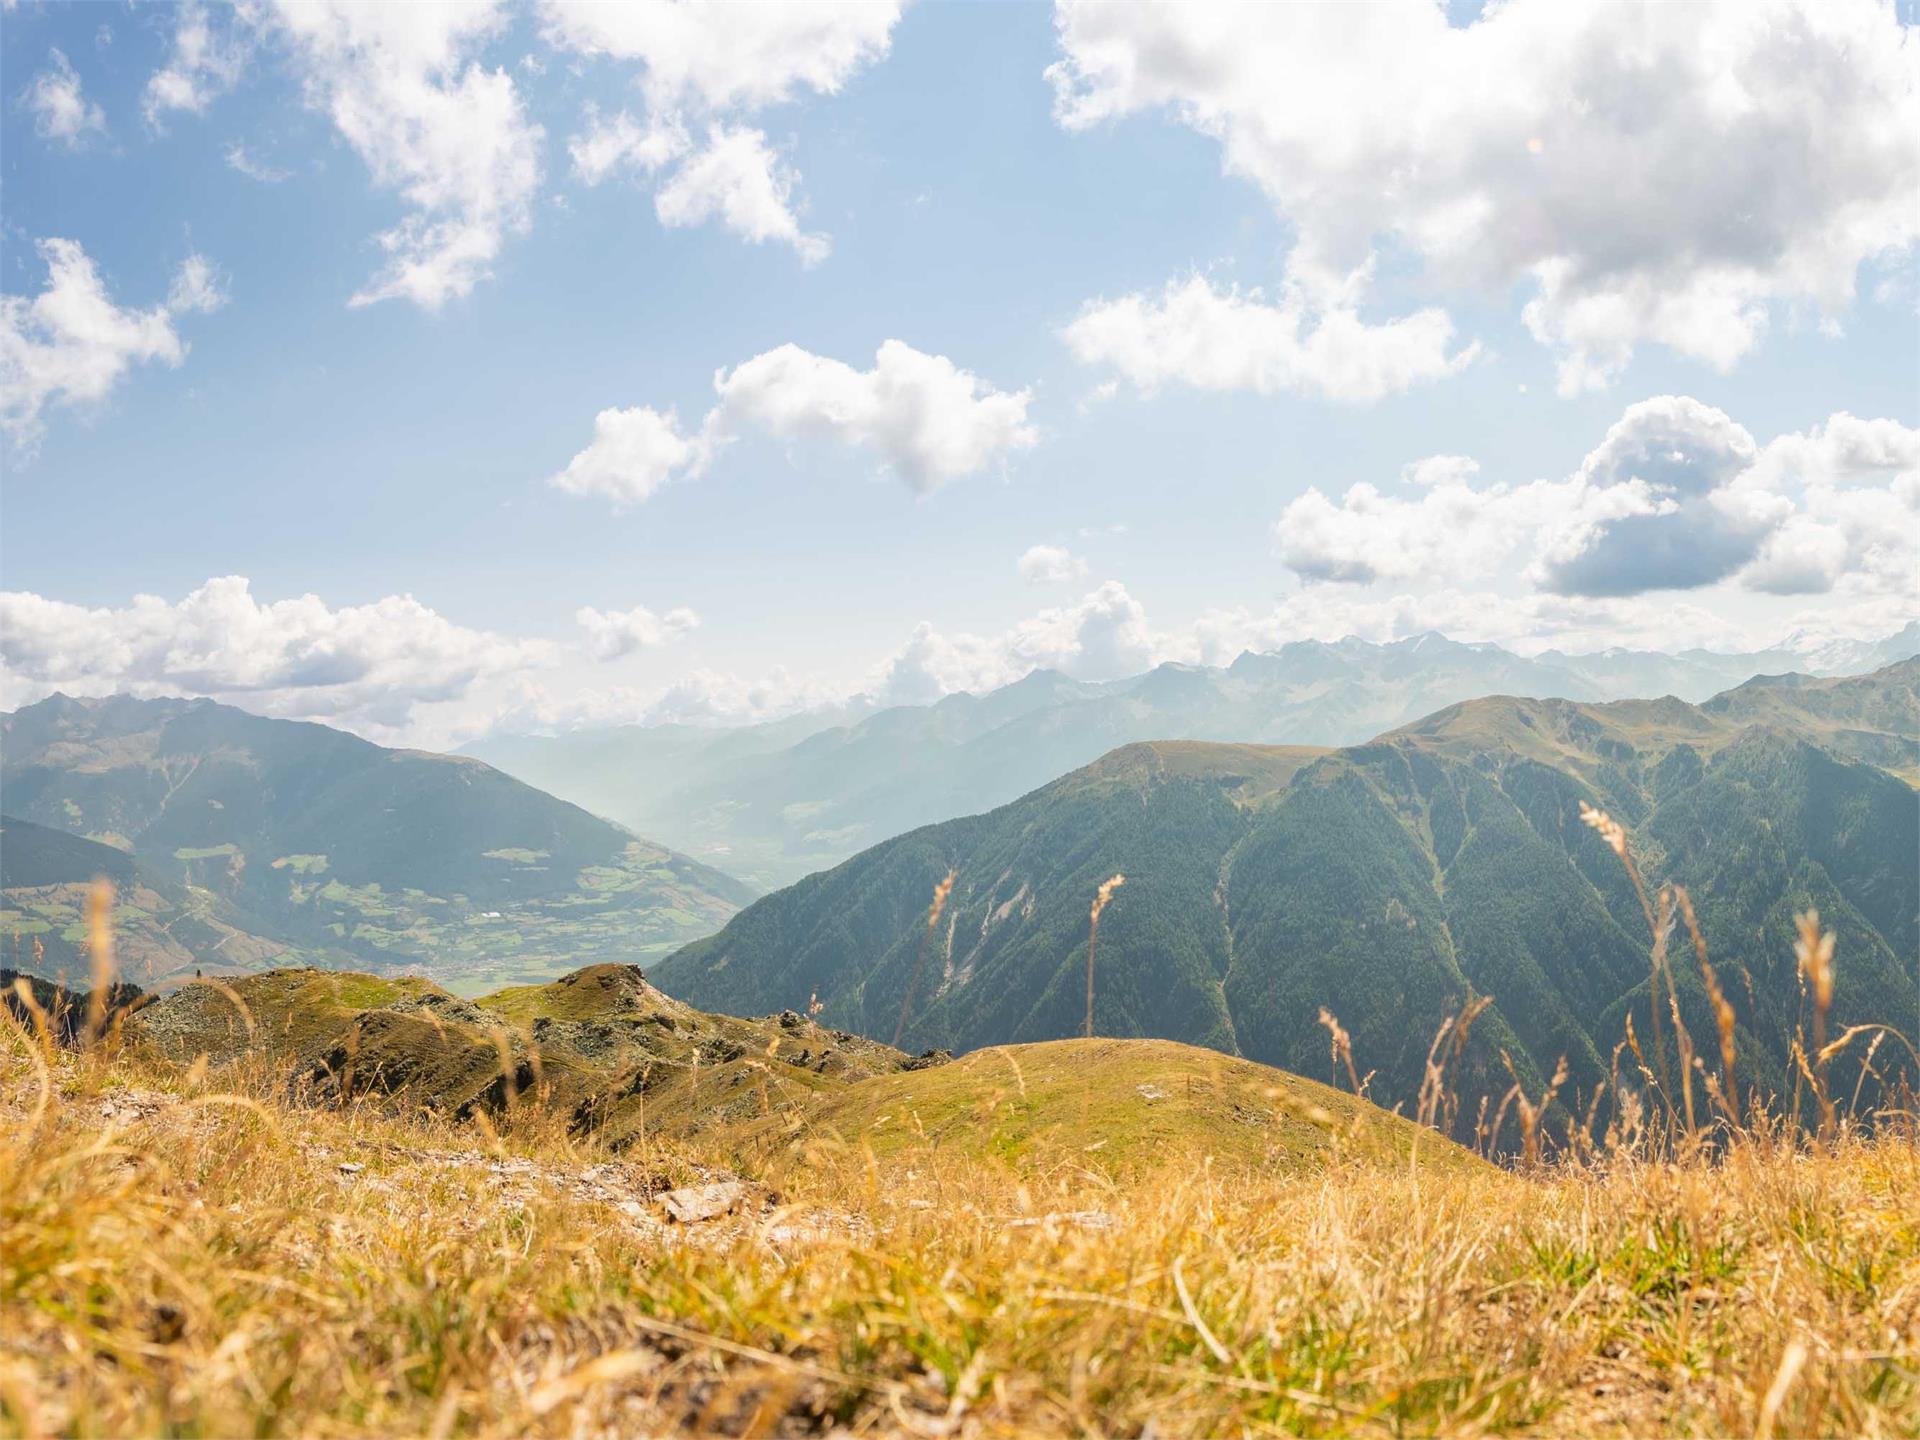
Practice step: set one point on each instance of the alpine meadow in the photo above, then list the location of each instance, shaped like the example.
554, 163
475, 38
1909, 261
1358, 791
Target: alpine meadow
897, 718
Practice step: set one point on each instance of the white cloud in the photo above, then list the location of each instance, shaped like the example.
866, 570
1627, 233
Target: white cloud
710, 697
196, 288
402, 87
1050, 565
60, 111
364, 666
1214, 339
1369, 535
1855, 488
241, 159
1677, 496
1658, 509
926, 419
613, 634
1102, 636
634, 452
204, 63
611, 143
712, 66
718, 58
71, 344
736, 179
1668, 174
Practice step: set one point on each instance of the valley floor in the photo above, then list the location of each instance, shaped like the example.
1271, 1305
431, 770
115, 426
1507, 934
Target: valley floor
179, 1258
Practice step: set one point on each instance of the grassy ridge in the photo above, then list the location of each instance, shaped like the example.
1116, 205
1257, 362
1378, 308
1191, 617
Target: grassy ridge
193, 1257
1120, 1106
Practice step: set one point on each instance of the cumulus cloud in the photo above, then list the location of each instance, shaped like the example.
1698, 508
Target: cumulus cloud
1050, 565
634, 452
1676, 496
707, 68
927, 421
1473, 150
71, 343
1658, 509
203, 64
1102, 636
366, 666
737, 179
614, 634
401, 85
1855, 528
1211, 339
60, 111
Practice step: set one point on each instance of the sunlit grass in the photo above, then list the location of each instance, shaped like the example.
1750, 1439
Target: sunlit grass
200, 1262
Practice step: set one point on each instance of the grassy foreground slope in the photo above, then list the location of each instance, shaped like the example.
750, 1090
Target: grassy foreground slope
1121, 1106
1388, 882
183, 1251
345, 851
605, 1055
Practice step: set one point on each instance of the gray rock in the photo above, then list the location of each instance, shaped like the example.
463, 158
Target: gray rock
694, 1203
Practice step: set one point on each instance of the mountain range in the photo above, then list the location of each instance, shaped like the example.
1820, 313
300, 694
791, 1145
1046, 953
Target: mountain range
1388, 882
771, 803
238, 841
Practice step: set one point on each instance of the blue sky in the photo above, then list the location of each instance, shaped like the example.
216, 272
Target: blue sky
1197, 473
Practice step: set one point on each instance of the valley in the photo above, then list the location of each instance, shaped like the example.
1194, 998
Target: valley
276, 841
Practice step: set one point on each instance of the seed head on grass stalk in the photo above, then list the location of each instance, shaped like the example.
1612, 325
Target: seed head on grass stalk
1813, 951
1340, 1045
100, 948
1615, 835
1100, 899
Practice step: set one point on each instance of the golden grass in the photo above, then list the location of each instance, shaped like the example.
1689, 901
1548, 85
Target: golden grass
175, 1260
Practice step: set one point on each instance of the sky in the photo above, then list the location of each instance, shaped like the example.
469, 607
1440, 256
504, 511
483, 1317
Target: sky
450, 369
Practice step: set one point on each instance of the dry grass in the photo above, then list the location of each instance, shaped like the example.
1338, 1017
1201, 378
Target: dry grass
184, 1250
174, 1260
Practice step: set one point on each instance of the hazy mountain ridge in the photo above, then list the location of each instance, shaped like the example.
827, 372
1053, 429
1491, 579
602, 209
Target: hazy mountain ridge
343, 850
1384, 881
772, 804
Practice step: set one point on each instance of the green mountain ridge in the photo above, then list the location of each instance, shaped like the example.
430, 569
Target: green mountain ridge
1387, 882
339, 850
776, 801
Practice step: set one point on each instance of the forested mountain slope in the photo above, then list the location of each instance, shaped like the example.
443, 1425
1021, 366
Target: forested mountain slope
1386, 882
